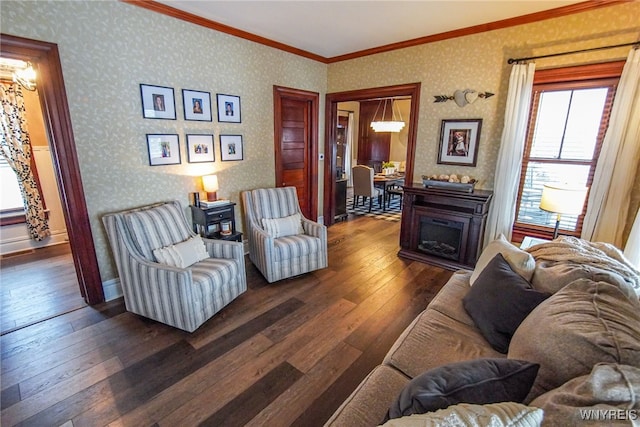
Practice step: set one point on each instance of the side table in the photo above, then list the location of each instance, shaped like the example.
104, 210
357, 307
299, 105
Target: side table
207, 221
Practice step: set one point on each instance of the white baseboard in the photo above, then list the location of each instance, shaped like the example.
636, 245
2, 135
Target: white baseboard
112, 289
24, 243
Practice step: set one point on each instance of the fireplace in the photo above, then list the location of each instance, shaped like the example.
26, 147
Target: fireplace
440, 237
443, 227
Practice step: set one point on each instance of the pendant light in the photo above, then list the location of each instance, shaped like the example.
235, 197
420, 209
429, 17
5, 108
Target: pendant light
383, 125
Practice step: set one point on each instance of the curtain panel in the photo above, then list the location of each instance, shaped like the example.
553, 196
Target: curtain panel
505, 190
15, 148
610, 193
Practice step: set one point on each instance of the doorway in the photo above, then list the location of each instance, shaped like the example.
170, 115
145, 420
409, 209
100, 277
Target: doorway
296, 142
410, 91
57, 120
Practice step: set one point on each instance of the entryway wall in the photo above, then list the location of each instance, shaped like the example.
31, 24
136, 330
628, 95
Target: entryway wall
15, 238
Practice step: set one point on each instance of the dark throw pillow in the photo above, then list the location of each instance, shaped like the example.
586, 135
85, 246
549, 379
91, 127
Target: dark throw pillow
479, 381
499, 301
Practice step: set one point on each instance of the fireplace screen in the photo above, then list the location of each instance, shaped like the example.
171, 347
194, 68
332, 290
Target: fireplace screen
441, 237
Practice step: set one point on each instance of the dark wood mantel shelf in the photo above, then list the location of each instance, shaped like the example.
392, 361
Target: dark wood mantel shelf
443, 227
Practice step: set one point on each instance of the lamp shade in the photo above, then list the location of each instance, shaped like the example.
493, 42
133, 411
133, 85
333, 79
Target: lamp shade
210, 185
563, 199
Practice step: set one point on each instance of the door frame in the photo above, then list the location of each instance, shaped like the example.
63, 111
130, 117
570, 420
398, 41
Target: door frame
331, 120
313, 100
57, 119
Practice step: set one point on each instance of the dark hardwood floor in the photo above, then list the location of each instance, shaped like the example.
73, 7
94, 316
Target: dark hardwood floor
282, 354
36, 286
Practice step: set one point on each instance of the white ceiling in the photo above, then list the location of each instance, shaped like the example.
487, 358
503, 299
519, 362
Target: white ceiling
333, 28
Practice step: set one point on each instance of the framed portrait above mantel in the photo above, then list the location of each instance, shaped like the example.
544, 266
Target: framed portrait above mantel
228, 108
197, 105
459, 142
158, 102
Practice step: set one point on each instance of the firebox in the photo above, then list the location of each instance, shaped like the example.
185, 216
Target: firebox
441, 238
443, 227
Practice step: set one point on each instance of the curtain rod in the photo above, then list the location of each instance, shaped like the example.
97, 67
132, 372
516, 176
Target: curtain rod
512, 60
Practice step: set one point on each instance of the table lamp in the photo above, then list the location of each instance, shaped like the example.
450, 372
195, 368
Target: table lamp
562, 199
210, 185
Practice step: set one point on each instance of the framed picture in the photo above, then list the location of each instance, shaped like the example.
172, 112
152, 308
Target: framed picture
459, 142
230, 147
200, 148
197, 105
228, 108
164, 149
158, 102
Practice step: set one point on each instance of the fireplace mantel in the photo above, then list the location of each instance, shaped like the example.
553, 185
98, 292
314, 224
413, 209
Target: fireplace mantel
443, 227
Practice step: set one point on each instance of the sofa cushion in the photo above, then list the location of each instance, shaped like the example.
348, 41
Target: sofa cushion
369, 402
281, 227
448, 300
520, 261
551, 276
608, 389
581, 325
477, 381
466, 414
300, 245
434, 339
499, 301
182, 254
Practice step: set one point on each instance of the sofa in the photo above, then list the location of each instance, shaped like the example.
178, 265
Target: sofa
562, 349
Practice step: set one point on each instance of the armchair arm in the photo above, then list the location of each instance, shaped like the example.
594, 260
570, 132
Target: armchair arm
315, 229
224, 249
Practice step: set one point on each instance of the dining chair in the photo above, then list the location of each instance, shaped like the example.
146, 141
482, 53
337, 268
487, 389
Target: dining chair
363, 186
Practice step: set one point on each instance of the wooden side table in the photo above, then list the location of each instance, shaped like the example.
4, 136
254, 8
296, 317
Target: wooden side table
207, 221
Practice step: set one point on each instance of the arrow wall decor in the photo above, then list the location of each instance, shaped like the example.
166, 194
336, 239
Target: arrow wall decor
463, 97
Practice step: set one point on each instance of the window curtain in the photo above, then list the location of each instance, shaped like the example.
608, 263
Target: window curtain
15, 148
505, 190
610, 193
347, 150
632, 248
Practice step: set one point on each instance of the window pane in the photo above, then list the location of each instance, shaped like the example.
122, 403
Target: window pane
10, 196
545, 173
584, 123
551, 119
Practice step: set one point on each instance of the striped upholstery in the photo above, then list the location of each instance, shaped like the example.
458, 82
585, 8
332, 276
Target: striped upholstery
181, 297
287, 256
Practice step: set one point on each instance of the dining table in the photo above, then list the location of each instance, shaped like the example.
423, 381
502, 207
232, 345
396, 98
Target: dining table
384, 182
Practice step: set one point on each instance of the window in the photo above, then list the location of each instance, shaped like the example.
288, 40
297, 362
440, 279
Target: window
568, 119
11, 204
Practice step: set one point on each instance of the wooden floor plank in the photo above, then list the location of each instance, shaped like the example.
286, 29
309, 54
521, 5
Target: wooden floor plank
281, 354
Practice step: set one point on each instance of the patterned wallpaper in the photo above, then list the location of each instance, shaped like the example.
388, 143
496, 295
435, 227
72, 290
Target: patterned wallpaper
479, 62
108, 48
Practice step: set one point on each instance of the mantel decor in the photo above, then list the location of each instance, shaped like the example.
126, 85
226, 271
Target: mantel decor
459, 142
158, 102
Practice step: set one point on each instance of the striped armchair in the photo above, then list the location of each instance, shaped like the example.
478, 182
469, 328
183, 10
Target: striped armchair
181, 297
290, 255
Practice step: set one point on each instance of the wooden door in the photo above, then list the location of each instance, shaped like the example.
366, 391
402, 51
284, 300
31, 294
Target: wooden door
296, 145
373, 147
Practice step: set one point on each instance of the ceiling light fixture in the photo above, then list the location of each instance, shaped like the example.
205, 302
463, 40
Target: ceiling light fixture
26, 76
383, 125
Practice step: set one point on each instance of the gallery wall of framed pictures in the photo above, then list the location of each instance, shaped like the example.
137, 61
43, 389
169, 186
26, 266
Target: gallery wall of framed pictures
158, 102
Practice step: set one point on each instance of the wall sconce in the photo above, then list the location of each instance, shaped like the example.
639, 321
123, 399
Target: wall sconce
210, 185
463, 97
562, 200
